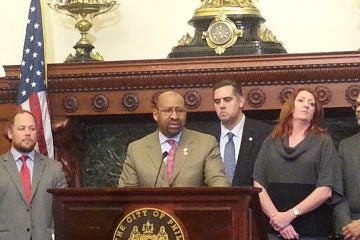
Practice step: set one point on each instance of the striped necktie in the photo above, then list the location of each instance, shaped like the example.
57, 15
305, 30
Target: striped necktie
171, 158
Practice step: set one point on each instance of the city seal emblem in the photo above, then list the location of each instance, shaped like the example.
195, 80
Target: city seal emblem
148, 224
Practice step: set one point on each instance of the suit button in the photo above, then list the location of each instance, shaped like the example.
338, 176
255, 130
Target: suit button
28, 229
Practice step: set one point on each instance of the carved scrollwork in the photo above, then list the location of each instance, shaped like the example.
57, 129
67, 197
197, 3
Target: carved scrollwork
285, 93
130, 101
351, 93
185, 40
256, 97
192, 99
324, 94
266, 35
100, 103
70, 104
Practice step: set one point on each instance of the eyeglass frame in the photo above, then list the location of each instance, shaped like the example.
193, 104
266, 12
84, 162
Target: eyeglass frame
169, 111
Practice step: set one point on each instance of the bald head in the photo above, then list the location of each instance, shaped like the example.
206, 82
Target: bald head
169, 96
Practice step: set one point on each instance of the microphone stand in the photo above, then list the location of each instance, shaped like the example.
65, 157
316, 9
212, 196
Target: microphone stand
163, 156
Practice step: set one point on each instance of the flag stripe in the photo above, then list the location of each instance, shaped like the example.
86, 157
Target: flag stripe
48, 137
35, 108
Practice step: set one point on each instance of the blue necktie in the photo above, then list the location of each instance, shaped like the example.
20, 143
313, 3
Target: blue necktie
229, 157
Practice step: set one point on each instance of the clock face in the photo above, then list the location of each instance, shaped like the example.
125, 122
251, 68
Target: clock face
220, 33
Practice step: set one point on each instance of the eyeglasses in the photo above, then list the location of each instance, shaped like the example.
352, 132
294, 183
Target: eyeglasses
169, 111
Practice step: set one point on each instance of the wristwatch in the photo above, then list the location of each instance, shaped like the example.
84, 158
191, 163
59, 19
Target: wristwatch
296, 212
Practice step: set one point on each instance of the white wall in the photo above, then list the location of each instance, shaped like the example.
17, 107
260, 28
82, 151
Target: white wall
148, 29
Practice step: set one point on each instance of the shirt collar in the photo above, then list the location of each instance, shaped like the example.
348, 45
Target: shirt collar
16, 154
163, 138
236, 130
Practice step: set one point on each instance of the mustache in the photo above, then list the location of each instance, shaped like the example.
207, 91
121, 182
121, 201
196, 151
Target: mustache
175, 121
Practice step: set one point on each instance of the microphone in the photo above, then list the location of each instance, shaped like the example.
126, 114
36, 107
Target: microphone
163, 156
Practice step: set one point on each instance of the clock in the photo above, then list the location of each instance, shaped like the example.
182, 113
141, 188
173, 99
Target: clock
222, 33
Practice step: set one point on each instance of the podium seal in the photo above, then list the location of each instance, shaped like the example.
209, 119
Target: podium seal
148, 224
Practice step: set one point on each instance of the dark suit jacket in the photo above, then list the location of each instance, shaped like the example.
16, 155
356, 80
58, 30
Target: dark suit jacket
197, 163
16, 220
349, 151
254, 134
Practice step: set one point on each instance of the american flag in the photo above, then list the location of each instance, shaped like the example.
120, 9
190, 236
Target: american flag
32, 87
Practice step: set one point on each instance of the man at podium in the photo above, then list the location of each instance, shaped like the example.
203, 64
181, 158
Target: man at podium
173, 156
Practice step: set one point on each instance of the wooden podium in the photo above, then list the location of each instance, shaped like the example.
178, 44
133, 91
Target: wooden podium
201, 213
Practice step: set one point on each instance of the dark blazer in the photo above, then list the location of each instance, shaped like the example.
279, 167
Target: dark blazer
349, 152
254, 134
16, 220
197, 163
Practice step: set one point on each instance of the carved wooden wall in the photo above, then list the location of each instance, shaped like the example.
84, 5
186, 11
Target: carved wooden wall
129, 87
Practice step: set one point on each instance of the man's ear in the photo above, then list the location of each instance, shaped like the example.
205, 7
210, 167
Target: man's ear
9, 134
155, 114
241, 100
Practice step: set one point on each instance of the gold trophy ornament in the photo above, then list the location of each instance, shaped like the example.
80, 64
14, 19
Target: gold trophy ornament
83, 11
227, 27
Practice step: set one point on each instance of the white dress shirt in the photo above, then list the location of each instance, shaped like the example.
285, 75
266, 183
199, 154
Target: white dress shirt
237, 131
29, 162
165, 146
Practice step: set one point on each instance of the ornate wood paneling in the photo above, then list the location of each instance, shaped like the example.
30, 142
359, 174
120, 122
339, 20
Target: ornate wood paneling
130, 87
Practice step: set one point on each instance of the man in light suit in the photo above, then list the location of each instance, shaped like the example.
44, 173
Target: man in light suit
347, 214
21, 217
249, 134
197, 159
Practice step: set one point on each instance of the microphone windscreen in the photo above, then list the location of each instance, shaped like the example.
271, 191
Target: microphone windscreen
164, 155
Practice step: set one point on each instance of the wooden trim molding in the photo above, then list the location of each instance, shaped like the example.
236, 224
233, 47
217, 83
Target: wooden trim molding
130, 87
123, 87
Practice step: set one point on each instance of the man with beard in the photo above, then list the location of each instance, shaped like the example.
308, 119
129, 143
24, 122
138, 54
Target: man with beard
173, 156
347, 214
247, 135
25, 176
